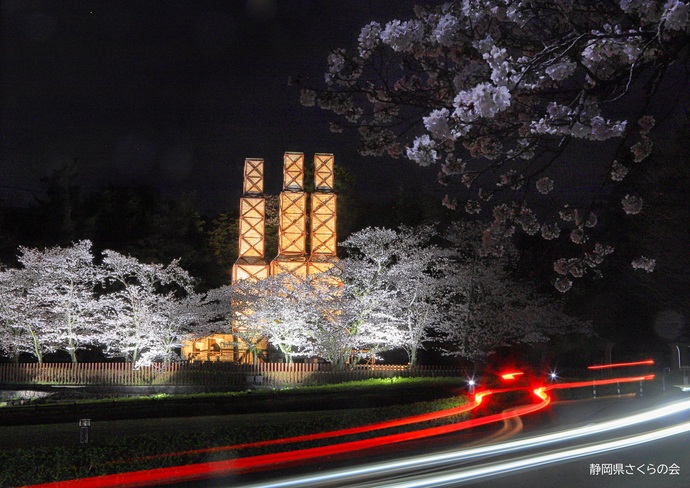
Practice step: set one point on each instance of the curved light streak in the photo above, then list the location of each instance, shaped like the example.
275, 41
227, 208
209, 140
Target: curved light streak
425, 417
220, 468
621, 365
466, 454
579, 384
191, 472
495, 469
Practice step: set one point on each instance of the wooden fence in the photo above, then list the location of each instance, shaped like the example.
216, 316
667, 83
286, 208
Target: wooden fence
204, 374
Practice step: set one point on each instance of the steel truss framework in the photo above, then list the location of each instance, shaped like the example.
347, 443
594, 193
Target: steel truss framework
322, 235
323, 172
292, 232
253, 177
292, 220
293, 171
250, 263
252, 225
323, 224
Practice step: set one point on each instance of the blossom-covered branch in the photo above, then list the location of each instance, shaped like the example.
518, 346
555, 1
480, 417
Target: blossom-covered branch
509, 98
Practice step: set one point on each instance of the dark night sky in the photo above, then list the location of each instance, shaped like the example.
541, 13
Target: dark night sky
175, 93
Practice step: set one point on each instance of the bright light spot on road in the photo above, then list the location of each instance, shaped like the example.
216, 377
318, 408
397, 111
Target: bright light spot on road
479, 396
540, 393
511, 375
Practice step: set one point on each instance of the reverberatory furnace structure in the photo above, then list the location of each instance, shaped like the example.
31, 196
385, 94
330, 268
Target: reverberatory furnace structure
306, 238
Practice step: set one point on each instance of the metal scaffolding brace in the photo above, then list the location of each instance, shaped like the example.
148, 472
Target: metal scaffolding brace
292, 220
250, 263
322, 235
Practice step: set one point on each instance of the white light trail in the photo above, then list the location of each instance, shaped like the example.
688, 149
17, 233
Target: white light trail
494, 469
529, 442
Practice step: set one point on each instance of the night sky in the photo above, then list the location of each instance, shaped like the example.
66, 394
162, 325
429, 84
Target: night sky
176, 93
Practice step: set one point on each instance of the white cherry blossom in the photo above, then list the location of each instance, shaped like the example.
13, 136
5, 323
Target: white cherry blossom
511, 89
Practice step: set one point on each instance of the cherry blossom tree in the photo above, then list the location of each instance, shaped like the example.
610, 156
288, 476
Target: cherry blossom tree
313, 316
60, 300
251, 312
520, 104
451, 296
18, 333
148, 308
180, 319
305, 317
209, 312
399, 281
59, 304
498, 309
397, 291
282, 309
337, 331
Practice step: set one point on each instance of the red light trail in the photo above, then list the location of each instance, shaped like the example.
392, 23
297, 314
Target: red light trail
178, 474
200, 471
578, 384
621, 365
332, 433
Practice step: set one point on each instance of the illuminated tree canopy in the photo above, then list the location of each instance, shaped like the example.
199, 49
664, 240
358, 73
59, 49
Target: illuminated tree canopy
398, 291
60, 299
395, 290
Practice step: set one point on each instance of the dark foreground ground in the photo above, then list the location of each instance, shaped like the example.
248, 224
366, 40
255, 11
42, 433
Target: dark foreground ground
70, 410
53, 424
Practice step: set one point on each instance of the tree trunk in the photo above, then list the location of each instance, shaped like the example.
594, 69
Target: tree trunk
286, 352
413, 357
37, 348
